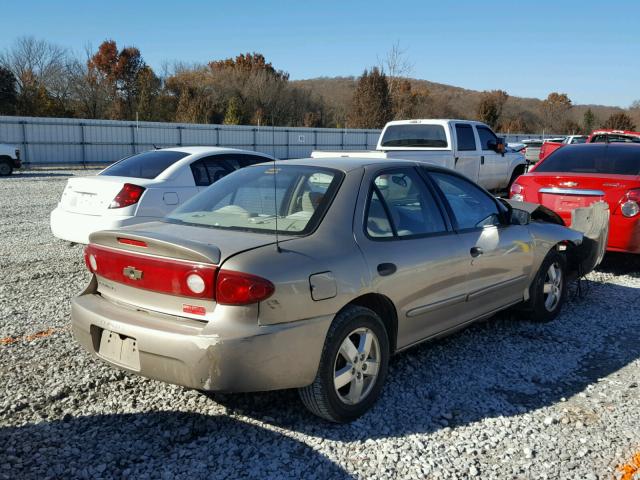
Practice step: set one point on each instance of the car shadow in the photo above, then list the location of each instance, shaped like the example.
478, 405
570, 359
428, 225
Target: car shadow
620, 264
168, 444
503, 367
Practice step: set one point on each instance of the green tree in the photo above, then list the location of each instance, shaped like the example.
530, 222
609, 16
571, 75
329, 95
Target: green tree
8, 92
619, 121
490, 107
232, 115
555, 109
371, 103
588, 121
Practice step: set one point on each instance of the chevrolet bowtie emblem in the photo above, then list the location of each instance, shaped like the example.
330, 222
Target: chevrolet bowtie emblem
568, 184
132, 273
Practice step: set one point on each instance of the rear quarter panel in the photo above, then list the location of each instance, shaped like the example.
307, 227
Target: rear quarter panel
331, 248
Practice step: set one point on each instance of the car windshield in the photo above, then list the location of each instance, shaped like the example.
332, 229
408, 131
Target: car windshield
254, 198
587, 158
144, 165
414, 136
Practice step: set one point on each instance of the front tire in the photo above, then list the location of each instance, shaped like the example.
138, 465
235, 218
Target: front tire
549, 289
353, 367
6, 168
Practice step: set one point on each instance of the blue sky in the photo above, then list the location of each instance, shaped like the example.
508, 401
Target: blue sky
587, 49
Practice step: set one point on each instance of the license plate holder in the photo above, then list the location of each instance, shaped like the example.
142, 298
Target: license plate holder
119, 349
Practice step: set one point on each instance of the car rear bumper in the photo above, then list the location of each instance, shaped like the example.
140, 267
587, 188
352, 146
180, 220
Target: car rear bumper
76, 227
234, 356
624, 234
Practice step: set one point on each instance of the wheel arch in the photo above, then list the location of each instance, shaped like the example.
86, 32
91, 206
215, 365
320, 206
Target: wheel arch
386, 310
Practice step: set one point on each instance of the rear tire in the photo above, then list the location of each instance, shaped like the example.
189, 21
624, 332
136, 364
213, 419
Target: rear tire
548, 290
6, 168
353, 367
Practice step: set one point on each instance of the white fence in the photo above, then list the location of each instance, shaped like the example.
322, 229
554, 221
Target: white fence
65, 141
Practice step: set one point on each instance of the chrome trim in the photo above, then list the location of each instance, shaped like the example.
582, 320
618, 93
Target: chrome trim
414, 312
573, 191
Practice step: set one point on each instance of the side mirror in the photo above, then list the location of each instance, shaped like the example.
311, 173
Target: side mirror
519, 217
497, 146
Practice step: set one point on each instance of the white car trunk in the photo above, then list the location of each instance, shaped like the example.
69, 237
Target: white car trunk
93, 195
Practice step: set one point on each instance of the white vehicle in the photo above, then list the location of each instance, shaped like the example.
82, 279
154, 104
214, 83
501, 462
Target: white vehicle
573, 139
142, 188
9, 159
469, 147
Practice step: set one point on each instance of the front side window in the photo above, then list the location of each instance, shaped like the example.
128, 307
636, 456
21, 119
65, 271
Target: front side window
466, 138
144, 165
487, 138
400, 204
471, 206
414, 135
253, 198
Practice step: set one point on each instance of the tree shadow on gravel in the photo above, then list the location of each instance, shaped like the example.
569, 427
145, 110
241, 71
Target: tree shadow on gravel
159, 444
503, 367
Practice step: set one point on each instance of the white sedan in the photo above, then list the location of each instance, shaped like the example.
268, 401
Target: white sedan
142, 187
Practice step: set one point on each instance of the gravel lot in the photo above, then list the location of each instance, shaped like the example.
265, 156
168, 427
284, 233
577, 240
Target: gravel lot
502, 399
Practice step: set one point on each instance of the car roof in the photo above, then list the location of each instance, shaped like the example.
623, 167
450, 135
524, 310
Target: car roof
194, 150
347, 164
601, 145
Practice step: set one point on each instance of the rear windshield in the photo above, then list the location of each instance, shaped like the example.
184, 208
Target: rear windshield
614, 138
415, 135
144, 165
253, 198
617, 160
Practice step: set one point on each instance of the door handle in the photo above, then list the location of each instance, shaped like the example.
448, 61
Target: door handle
476, 252
481, 159
385, 269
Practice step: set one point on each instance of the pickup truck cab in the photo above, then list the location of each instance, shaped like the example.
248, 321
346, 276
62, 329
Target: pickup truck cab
9, 159
466, 146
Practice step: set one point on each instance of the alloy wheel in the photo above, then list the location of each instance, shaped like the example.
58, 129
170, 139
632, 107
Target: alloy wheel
356, 366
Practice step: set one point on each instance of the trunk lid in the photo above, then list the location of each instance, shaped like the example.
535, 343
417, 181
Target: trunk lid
93, 195
564, 193
145, 266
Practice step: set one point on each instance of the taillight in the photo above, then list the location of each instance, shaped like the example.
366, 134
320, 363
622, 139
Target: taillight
129, 195
163, 275
235, 288
516, 192
630, 203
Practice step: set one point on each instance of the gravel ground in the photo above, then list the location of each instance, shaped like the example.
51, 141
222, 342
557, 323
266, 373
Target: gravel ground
502, 399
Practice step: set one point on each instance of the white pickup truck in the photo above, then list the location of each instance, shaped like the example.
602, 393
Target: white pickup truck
9, 159
463, 145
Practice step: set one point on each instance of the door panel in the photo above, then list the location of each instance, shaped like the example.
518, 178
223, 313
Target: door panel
500, 256
500, 274
494, 168
413, 258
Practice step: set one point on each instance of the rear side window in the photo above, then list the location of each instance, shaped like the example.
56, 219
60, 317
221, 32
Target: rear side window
471, 206
603, 159
209, 170
237, 161
466, 138
487, 137
415, 135
144, 165
401, 205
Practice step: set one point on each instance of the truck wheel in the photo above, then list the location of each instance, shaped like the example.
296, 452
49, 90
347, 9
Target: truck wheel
548, 290
5, 168
352, 369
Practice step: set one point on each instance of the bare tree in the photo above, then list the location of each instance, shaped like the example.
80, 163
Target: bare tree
396, 66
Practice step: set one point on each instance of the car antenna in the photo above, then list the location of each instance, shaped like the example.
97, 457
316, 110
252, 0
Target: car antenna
275, 188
